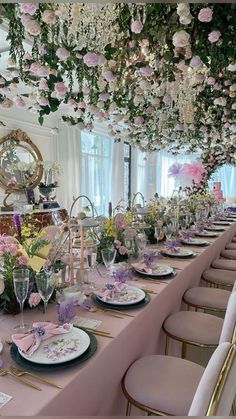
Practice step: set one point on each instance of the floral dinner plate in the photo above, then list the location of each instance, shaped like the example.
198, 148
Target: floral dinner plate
182, 253
205, 234
194, 242
155, 270
130, 295
60, 348
215, 228
221, 223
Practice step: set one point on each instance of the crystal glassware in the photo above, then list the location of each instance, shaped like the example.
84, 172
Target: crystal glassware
91, 256
141, 241
21, 287
46, 282
108, 257
168, 230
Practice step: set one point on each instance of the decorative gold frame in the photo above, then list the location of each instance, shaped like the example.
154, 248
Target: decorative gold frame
20, 139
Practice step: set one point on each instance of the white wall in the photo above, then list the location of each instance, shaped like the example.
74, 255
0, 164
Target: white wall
40, 135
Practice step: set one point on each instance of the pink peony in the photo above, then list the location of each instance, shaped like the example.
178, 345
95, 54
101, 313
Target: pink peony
91, 59
32, 27
22, 260
43, 84
108, 75
62, 53
181, 39
205, 14
214, 36
138, 120
29, 8
136, 26
195, 61
34, 299
7, 103
48, 17
43, 101
19, 102
146, 71
71, 102
42, 71
60, 88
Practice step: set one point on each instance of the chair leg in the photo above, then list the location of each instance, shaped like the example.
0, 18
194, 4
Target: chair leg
128, 409
234, 408
184, 347
167, 345
149, 414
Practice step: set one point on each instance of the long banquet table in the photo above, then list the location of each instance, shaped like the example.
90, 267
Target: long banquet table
94, 387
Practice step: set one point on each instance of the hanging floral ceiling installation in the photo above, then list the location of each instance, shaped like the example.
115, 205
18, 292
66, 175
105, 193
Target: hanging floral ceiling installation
160, 75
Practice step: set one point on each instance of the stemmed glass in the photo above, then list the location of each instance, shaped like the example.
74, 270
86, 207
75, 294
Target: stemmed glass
46, 282
21, 286
91, 256
141, 241
157, 233
108, 257
168, 230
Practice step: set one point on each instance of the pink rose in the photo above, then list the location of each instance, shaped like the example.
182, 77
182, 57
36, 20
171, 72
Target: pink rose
117, 243
34, 299
32, 27
42, 71
48, 17
29, 8
146, 71
138, 120
211, 81
181, 39
25, 18
62, 53
205, 14
34, 67
7, 103
43, 84
82, 105
43, 101
60, 88
108, 75
91, 59
71, 102
22, 260
19, 102
136, 26
214, 36
195, 61
122, 250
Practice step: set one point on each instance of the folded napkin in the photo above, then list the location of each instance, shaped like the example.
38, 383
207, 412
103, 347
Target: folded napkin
141, 266
110, 290
30, 341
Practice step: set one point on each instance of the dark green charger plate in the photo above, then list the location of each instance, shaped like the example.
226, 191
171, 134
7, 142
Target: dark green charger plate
102, 304
178, 256
24, 363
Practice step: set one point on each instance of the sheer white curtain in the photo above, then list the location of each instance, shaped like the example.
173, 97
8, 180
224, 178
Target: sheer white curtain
116, 177
143, 173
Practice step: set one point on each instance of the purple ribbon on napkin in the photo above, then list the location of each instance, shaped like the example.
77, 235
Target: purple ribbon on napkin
173, 245
110, 290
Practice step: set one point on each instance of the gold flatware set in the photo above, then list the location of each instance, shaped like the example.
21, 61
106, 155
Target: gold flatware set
18, 374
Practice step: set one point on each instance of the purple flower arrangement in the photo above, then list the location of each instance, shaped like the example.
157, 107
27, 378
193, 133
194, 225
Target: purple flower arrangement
148, 258
173, 245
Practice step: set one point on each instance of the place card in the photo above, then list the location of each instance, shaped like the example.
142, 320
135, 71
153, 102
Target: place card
4, 398
86, 322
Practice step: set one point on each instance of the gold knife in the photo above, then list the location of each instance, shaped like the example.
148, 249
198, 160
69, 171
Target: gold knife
18, 372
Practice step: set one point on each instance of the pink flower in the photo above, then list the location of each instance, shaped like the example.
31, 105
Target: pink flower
181, 39
233, 106
91, 59
138, 120
43, 84
27, 56
19, 102
211, 81
146, 71
214, 36
85, 90
34, 299
29, 8
104, 96
136, 26
32, 27
150, 110
101, 59
195, 61
167, 99
42, 71
205, 14
7, 103
108, 75
117, 243
60, 88
22, 260
25, 18
122, 250
200, 77
43, 101
34, 67
82, 105
62, 53
71, 102
48, 17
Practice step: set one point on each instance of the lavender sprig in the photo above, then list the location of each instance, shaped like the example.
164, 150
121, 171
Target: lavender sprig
173, 245
121, 275
148, 258
17, 225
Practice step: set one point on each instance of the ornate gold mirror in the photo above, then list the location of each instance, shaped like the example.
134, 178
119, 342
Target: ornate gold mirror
19, 159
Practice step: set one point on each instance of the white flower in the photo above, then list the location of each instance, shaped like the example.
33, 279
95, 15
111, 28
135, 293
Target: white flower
181, 39
231, 67
221, 101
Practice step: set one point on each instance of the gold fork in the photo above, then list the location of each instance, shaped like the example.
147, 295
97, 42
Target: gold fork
19, 372
23, 380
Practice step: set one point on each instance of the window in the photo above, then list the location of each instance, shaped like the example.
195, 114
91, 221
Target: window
127, 172
96, 169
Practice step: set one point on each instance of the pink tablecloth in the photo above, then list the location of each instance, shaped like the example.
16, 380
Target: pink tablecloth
94, 387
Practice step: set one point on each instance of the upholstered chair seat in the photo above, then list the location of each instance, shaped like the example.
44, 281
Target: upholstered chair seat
210, 299
234, 239
224, 264
228, 254
220, 277
231, 246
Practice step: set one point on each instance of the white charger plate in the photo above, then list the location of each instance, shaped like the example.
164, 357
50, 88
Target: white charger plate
206, 234
157, 270
60, 348
221, 223
194, 241
131, 295
215, 228
180, 253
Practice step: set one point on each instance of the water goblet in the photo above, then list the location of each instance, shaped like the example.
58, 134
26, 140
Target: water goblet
108, 257
168, 230
46, 282
141, 241
91, 256
21, 286
157, 233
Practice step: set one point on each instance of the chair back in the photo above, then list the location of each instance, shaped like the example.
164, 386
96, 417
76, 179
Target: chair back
228, 333
217, 387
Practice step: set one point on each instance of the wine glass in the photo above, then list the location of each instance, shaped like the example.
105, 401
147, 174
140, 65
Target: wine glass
168, 230
108, 257
91, 256
46, 282
141, 241
21, 286
157, 233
